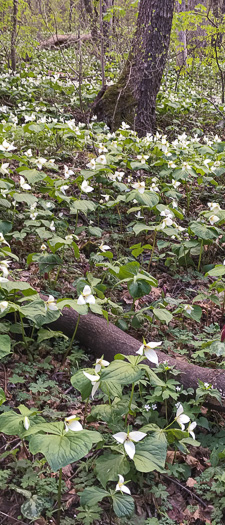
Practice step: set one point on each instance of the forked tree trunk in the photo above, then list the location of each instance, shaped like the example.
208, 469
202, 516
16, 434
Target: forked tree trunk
133, 98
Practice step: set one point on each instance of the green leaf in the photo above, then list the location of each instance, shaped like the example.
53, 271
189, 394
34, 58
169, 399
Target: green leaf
109, 465
5, 345
123, 505
45, 334
163, 315
33, 508
25, 197
139, 288
5, 227
11, 423
2, 396
218, 271
33, 175
139, 228
48, 262
151, 453
121, 372
203, 232
92, 495
61, 450
82, 383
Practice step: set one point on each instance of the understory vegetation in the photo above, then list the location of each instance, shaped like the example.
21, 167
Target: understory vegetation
132, 231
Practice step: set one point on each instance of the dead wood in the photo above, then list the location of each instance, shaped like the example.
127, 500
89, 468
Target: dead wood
63, 40
103, 338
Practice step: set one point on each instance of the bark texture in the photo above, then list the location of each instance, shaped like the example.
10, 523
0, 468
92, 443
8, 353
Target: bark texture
103, 338
63, 40
133, 98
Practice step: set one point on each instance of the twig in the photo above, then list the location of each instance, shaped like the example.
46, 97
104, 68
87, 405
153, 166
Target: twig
12, 518
185, 488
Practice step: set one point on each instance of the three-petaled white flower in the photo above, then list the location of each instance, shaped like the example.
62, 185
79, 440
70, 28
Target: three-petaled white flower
147, 350
101, 159
86, 296
40, 162
50, 304
188, 308
72, 423
139, 186
120, 485
6, 146
63, 189
3, 168
2, 239
176, 184
86, 187
181, 418
67, 172
127, 440
142, 158
28, 153
23, 184
213, 219
4, 267
104, 247
3, 306
95, 381
166, 222
214, 206
100, 363
91, 164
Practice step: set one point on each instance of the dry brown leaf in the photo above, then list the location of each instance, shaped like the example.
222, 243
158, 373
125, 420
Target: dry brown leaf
191, 482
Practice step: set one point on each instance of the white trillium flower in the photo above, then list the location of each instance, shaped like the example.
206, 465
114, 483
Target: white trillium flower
171, 164
33, 206
33, 215
23, 184
6, 146
91, 164
67, 172
181, 418
186, 166
40, 162
72, 423
50, 304
147, 349
100, 363
102, 148
139, 186
190, 429
214, 206
63, 189
127, 440
2, 239
120, 485
86, 296
142, 158
166, 222
26, 423
52, 226
3, 306
85, 187
43, 247
101, 159
176, 184
213, 219
154, 188
4, 267
95, 381
104, 247
28, 153
166, 213
4, 167
188, 308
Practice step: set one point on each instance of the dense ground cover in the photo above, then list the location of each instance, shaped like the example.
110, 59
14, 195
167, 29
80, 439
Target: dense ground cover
131, 230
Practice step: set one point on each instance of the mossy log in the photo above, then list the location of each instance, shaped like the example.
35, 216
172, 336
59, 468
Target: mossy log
63, 40
102, 338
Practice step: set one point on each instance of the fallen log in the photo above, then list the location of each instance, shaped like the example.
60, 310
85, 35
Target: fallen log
63, 40
103, 338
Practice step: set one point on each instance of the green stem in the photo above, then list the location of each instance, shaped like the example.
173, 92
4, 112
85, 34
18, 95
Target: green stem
153, 248
131, 399
200, 256
72, 340
23, 331
85, 411
59, 497
56, 277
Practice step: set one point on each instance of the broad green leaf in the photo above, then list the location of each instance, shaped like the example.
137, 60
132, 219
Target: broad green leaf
203, 232
33, 508
25, 197
2, 396
72, 303
109, 465
151, 453
121, 372
139, 228
45, 334
123, 505
12, 423
33, 175
217, 348
163, 315
60, 451
5, 227
5, 345
218, 271
139, 288
21, 286
92, 495
82, 383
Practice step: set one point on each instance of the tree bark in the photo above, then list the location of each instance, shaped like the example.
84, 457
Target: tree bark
103, 338
13, 35
182, 37
133, 98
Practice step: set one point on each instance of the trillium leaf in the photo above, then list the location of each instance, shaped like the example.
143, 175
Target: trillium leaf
139, 288
60, 451
45, 334
109, 466
5, 345
123, 505
72, 303
11, 423
92, 495
151, 453
163, 315
33, 508
138, 228
82, 383
33, 175
203, 232
25, 197
121, 372
218, 271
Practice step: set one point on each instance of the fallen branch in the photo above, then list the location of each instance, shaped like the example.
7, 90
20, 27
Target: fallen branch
104, 338
63, 40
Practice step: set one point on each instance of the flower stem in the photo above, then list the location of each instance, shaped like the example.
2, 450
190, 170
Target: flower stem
23, 331
200, 256
59, 497
72, 340
153, 248
129, 406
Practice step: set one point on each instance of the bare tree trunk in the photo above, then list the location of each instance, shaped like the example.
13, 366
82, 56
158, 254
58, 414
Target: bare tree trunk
13, 35
182, 37
92, 16
71, 14
133, 98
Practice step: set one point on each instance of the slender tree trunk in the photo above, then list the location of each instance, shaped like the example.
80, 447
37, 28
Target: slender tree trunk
92, 16
182, 37
71, 14
13, 35
133, 98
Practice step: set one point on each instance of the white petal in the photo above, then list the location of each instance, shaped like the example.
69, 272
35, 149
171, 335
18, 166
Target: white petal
86, 290
130, 448
137, 436
105, 363
91, 377
183, 419
52, 306
97, 368
152, 344
152, 356
124, 488
95, 388
141, 350
90, 299
179, 410
120, 437
121, 478
75, 426
81, 300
